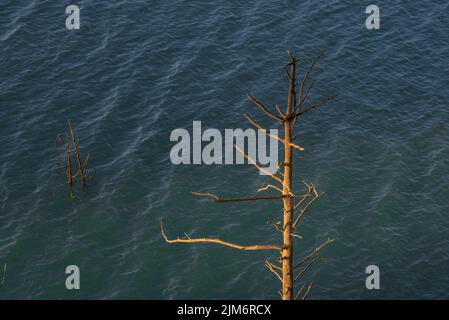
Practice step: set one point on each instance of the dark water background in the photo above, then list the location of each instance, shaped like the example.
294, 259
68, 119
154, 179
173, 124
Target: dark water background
136, 70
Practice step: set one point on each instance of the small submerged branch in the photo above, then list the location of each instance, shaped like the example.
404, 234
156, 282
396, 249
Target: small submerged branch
70, 144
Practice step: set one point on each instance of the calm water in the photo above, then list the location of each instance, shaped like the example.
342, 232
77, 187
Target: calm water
136, 70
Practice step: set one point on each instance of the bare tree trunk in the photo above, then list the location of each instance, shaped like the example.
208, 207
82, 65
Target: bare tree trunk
287, 252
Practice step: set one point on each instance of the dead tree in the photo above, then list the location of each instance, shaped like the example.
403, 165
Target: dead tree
294, 206
72, 143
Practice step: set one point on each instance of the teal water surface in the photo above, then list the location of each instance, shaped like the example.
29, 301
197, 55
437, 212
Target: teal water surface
136, 70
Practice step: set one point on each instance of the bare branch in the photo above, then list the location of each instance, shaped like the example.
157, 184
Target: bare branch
275, 177
250, 199
303, 211
306, 268
279, 111
291, 101
303, 82
296, 235
301, 101
265, 110
316, 105
275, 225
69, 163
314, 252
292, 57
218, 241
299, 292
298, 106
267, 186
308, 291
272, 267
287, 72
253, 122
280, 166
305, 197
86, 161
216, 199
312, 65
206, 194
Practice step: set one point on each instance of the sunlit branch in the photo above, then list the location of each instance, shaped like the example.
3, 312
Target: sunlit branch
206, 194
218, 241
279, 111
257, 165
303, 211
308, 291
253, 122
312, 65
217, 199
314, 252
272, 268
299, 291
266, 187
276, 225
316, 105
265, 110
301, 101
307, 267
305, 197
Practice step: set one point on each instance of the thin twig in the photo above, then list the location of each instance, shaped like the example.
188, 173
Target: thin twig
265, 110
279, 111
206, 194
78, 156
316, 105
250, 199
305, 197
308, 291
307, 267
271, 267
275, 225
275, 177
300, 102
314, 252
303, 211
272, 135
299, 292
69, 165
217, 199
303, 82
267, 186
312, 65
296, 235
